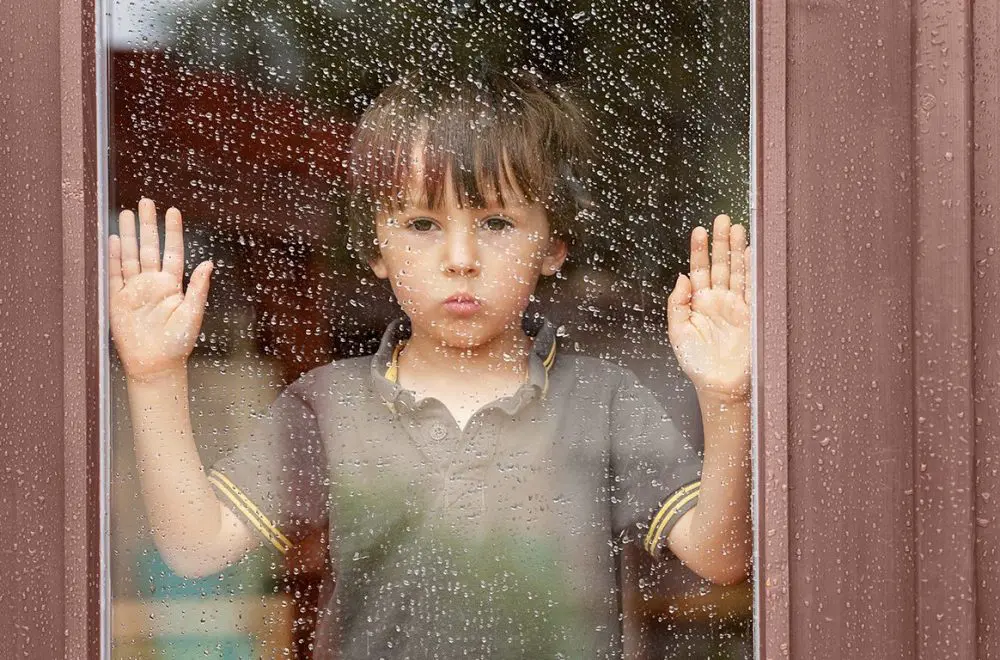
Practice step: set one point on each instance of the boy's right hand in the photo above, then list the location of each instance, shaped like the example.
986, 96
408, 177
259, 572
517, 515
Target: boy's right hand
154, 323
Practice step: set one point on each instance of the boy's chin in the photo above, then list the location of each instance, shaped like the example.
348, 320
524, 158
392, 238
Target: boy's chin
468, 333
464, 334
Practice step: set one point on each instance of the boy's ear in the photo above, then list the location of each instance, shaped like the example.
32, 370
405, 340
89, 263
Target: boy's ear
553, 261
377, 264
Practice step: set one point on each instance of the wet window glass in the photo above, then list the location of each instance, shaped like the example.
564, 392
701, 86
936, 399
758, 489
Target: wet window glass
431, 328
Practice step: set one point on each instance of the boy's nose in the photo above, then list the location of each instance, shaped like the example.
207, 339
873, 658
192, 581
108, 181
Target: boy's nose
461, 254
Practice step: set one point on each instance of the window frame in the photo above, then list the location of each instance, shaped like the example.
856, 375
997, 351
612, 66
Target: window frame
920, 131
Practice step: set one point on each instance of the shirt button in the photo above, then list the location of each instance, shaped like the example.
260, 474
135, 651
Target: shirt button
438, 431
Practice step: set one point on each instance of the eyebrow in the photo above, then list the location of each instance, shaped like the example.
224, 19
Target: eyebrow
411, 208
514, 202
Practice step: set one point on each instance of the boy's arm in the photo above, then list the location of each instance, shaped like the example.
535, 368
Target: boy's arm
708, 320
714, 539
154, 324
196, 534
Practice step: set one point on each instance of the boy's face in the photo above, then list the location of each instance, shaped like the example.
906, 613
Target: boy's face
464, 276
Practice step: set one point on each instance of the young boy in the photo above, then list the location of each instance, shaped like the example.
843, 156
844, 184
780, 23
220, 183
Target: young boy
477, 480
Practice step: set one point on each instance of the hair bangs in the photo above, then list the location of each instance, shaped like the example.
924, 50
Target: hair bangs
501, 140
484, 160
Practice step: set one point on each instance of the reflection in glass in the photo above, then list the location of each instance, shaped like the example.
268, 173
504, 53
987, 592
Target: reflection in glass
241, 115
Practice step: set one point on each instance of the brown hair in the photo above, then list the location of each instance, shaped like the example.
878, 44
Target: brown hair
490, 132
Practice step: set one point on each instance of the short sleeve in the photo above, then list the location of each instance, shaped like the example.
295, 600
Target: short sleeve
656, 470
277, 480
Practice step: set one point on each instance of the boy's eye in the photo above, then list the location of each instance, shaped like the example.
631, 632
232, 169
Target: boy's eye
422, 224
497, 223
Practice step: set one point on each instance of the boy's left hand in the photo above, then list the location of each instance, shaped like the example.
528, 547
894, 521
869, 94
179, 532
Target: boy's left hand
708, 314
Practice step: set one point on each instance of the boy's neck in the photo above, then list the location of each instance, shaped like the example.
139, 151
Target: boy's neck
425, 358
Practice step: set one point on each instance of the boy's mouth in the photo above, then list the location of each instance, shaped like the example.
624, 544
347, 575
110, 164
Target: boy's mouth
462, 304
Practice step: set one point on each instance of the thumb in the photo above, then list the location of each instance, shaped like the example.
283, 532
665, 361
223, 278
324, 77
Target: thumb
196, 296
679, 304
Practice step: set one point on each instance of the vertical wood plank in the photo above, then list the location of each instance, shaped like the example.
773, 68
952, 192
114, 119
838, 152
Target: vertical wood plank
985, 316
772, 347
942, 321
843, 287
81, 334
49, 331
31, 374
850, 375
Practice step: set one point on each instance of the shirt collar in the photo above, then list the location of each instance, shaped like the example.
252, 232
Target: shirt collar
540, 361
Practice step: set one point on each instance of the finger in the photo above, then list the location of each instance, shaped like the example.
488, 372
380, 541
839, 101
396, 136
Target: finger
115, 280
700, 272
720, 252
737, 249
679, 305
173, 244
130, 252
196, 296
149, 239
738, 237
748, 272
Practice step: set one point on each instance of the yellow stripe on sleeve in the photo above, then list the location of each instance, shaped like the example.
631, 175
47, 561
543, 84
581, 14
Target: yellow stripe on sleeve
669, 504
669, 521
253, 507
250, 511
678, 499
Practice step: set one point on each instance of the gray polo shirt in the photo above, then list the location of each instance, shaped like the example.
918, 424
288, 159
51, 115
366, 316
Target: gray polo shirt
500, 540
